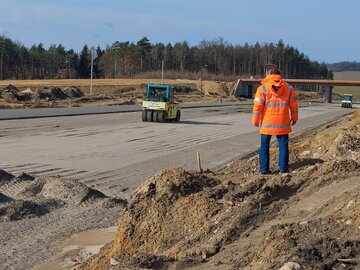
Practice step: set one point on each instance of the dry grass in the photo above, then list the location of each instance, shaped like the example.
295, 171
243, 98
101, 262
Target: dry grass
351, 76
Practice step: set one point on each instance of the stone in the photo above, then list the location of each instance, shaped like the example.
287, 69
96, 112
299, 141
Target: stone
291, 266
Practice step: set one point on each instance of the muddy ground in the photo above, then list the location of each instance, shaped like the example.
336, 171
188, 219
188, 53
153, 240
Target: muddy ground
236, 218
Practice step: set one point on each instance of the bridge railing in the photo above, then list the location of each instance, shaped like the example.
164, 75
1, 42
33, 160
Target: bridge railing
246, 87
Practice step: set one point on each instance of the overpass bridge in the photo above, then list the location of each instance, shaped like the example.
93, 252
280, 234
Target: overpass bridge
246, 87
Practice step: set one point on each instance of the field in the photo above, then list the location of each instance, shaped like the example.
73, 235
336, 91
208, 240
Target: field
348, 75
100, 86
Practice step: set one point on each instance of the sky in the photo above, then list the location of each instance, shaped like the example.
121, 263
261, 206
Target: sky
325, 30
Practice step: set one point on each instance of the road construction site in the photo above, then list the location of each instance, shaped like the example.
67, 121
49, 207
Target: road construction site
67, 175
116, 152
81, 172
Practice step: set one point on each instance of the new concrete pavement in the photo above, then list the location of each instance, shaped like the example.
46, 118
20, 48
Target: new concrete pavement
29, 113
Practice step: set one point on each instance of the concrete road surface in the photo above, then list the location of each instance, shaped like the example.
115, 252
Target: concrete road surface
116, 152
28, 113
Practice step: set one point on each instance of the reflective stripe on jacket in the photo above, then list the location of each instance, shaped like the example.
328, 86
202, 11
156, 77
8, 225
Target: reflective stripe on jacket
271, 108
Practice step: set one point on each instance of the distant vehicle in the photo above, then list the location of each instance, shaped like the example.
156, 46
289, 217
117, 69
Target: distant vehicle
346, 101
159, 104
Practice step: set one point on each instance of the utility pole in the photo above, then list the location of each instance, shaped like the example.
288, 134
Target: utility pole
162, 72
234, 69
1, 67
92, 52
1, 61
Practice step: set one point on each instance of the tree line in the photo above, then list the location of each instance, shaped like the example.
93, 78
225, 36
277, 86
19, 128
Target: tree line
344, 66
129, 59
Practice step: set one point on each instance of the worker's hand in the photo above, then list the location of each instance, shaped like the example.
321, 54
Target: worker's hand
293, 122
256, 125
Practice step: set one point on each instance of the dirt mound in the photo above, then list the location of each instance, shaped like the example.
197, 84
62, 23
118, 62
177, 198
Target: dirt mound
25, 177
13, 94
66, 190
338, 141
170, 195
24, 196
216, 88
344, 209
308, 96
324, 249
73, 92
5, 177
238, 219
53, 93
4, 198
19, 209
36, 212
328, 240
10, 93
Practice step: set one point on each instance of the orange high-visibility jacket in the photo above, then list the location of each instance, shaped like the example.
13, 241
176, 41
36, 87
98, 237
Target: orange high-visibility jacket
271, 108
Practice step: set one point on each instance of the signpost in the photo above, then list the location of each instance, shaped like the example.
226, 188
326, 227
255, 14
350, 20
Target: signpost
92, 53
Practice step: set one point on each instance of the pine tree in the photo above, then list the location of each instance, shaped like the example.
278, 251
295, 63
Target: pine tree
84, 63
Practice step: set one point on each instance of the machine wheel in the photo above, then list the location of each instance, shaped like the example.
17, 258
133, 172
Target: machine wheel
178, 116
149, 115
155, 116
144, 115
161, 116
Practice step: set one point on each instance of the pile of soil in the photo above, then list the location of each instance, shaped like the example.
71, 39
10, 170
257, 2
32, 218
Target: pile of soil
73, 92
12, 94
308, 96
25, 196
5, 177
56, 93
4, 198
212, 88
37, 211
65, 190
18, 209
236, 218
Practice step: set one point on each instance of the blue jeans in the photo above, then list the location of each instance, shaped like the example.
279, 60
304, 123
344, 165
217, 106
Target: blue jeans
264, 156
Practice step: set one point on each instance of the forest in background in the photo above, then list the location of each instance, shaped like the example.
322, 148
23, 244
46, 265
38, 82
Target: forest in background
344, 66
143, 58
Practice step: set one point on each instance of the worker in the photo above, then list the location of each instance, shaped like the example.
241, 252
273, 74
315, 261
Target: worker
274, 101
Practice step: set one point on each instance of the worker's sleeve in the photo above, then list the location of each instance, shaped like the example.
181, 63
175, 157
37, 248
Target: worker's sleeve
293, 104
259, 102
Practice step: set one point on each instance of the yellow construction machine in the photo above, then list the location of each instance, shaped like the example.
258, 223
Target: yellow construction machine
159, 104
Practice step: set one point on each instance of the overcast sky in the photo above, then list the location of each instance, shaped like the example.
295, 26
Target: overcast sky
325, 30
